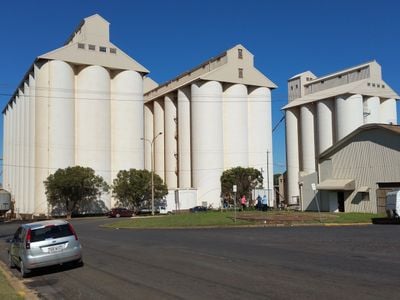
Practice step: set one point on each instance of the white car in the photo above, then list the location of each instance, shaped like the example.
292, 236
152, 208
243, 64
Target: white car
42, 244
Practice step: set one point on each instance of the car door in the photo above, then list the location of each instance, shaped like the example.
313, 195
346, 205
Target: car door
16, 243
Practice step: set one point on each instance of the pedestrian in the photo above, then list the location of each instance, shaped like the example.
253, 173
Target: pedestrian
243, 202
264, 203
258, 202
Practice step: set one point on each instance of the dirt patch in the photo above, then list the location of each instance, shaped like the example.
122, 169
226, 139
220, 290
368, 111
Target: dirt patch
285, 217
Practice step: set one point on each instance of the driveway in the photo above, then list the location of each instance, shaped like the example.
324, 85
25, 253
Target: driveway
361, 262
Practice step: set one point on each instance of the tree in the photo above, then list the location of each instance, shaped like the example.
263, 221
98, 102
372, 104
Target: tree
133, 187
74, 187
246, 179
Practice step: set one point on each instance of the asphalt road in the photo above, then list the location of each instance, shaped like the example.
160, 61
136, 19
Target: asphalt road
360, 262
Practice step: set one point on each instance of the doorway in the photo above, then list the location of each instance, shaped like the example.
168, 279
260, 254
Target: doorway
340, 198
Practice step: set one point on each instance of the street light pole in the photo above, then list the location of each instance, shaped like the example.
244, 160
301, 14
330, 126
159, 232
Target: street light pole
152, 168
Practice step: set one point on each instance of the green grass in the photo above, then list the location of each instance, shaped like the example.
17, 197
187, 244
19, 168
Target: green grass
226, 219
356, 217
201, 219
6, 291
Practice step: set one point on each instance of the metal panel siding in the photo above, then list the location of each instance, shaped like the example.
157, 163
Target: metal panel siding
371, 157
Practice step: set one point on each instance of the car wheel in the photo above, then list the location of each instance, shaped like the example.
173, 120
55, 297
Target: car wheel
11, 263
117, 215
24, 271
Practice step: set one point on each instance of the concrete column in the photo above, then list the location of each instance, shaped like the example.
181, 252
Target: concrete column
41, 136
235, 111
184, 149
292, 154
349, 114
371, 110
159, 150
207, 141
325, 124
171, 151
148, 134
307, 138
388, 111
31, 146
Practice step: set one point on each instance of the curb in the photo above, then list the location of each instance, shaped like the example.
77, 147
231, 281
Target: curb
19, 287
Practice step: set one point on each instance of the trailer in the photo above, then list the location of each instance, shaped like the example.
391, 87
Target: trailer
5, 202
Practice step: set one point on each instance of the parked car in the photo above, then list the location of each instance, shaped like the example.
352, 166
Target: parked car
120, 212
198, 209
43, 244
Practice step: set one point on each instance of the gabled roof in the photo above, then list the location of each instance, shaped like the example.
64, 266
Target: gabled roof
94, 30
356, 87
395, 129
223, 68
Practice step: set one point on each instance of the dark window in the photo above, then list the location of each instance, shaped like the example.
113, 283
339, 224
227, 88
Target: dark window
240, 72
103, 49
81, 46
113, 50
92, 47
240, 53
48, 232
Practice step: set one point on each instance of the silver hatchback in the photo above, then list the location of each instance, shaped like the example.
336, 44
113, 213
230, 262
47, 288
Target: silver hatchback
42, 244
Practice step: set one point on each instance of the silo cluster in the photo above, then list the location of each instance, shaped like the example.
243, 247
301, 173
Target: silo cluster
209, 127
65, 115
322, 111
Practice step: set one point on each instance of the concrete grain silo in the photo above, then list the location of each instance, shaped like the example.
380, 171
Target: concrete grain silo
220, 113
321, 113
81, 104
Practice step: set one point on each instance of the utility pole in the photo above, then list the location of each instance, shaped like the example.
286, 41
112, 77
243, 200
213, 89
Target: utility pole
268, 187
152, 168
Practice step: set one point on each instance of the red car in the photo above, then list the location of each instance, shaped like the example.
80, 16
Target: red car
120, 212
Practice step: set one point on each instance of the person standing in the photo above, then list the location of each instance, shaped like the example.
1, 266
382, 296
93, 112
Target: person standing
243, 202
259, 202
264, 203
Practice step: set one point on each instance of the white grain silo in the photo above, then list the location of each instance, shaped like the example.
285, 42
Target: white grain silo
207, 140
235, 122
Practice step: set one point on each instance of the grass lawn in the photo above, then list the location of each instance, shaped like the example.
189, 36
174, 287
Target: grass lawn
6, 291
226, 219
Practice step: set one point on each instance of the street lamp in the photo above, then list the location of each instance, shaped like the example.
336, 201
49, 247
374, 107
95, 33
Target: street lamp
152, 169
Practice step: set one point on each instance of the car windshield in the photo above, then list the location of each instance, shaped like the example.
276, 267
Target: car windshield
49, 232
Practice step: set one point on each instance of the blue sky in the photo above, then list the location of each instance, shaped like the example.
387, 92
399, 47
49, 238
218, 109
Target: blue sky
170, 37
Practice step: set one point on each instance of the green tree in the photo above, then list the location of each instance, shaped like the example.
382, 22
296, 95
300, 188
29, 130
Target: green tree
133, 187
74, 187
246, 179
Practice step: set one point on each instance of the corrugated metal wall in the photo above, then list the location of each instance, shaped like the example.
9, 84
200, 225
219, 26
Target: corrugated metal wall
372, 157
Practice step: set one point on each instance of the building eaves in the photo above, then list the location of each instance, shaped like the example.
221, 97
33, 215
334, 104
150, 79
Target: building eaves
223, 68
335, 74
357, 87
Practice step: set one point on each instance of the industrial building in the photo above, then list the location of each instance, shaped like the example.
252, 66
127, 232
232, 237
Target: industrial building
321, 113
84, 104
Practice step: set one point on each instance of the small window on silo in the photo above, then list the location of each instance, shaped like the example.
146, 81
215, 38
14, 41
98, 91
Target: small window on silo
240, 53
102, 49
92, 47
240, 72
113, 50
81, 46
